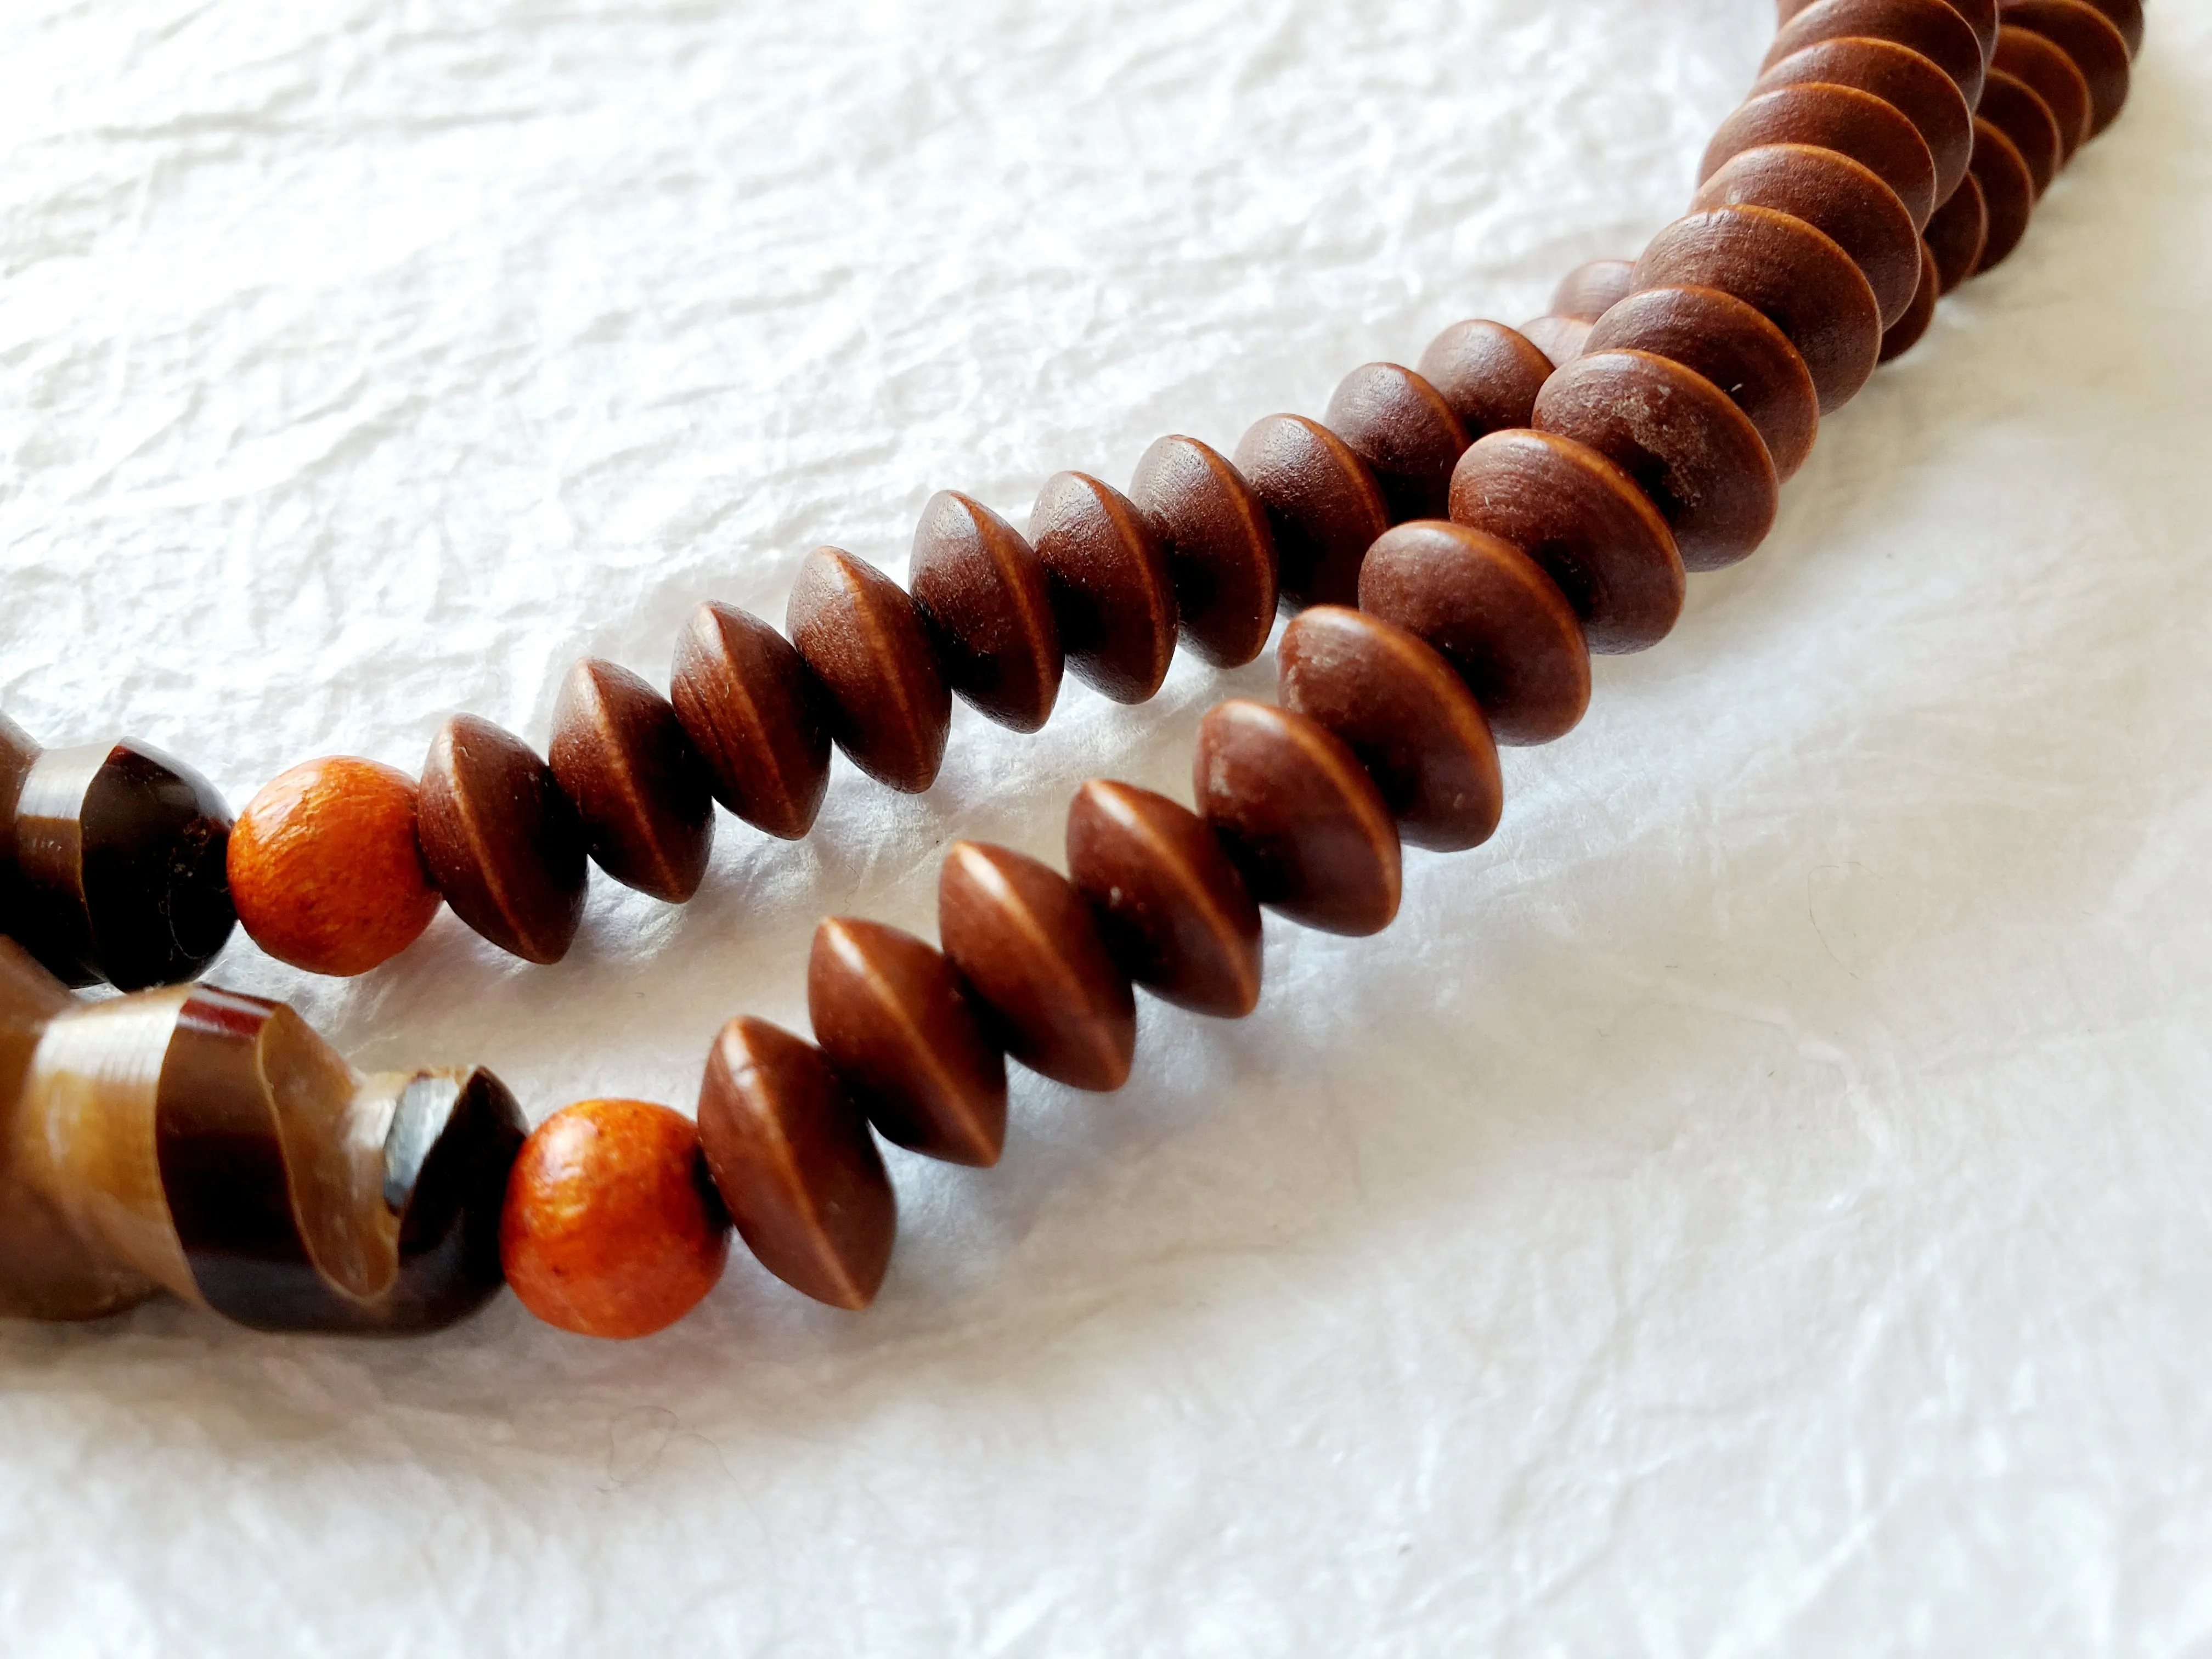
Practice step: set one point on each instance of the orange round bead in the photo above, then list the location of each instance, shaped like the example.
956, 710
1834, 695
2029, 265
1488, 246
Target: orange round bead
612, 1225
325, 869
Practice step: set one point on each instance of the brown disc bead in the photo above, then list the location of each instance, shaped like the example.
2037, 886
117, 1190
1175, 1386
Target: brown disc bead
1956, 233
1929, 26
1981, 16
1302, 822
794, 1161
501, 839
863, 639
1406, 432
1734, 346
1489, 610
2052, 76
1405, 717
2007, 188
1488, 372
2085, 34
1845, 201
982, 591
18, 753
1113, 599
326, 869
1323, 507
1794, 276
611, 1226
892, 1020
1901, 336
1029, 948
1856, 125
1899, 77
1220, 552
2125, 16
1591, 289
753, 711
1694, 453
1559, 339
1174, 913
2010, 105
639, 788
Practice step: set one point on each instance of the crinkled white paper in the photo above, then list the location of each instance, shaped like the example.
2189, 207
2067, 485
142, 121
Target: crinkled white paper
1758, 1205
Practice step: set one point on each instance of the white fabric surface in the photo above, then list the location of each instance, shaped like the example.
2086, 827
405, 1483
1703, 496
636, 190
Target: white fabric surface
1755, 1206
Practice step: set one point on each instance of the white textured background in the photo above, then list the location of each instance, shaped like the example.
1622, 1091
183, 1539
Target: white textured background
1756, 1205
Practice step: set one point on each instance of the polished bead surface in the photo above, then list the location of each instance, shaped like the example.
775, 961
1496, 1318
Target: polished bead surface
1591, 289
639, 788
1856, 125
2085, 34
1323, 507
2042, 66
1839, 198
17, 752
2008, 190
1488, 372
1173, 911
1405, 716
1406, 432
325, 870
1957, 233
1929, 26
1303, 822
1559, 339
1027, 943
888, 704
1220, 552
751, 709
1692, 450
501, 839
1904, 334
612, 1226
981, 591
1900, 76
2125, 16
1113, 598
895, 1024
2010, 105
1489, 610
794, 1163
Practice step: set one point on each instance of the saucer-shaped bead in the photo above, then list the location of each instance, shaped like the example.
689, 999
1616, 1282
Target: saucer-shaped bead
2008, 191
1899, 77
2011, 105
2125, 16
1220, 552
1904, 334
1113, 598
1931, 28
981, 591
2052, 76
863, 639
1839, 198
751, 709
1406, 431
1853, 123
1591, 289
1958, 233
1323, 507
1489, 373
501, 840
639, 788
1559, 339
2095, 44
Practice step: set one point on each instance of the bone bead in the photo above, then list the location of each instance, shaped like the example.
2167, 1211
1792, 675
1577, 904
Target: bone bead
1113, 597
1559, 339
1490, 612
1406, 431
1957, 233
1856, 125
888, 704
1405, 716
501, 839
639, 788
2085, 34
753, 712
897, 1027
1928, 26
1904, 334
1171, 908
1220, 552
1027, 944
1304, 824
1489, 373
982, 591
2010, 105
2054, 78
1915, 86
1323, 507
2007, 188
1845, 201
1591, 289
794, 1161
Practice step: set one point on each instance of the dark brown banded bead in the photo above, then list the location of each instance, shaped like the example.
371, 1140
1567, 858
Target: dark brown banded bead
1901, 336
1856, 124
1915, 86
501, 840
1957, 233
1489, 610
1798, 278
2010, 105
1173, 911
1112, 595
793, 1162
1584, 521
1405, 717
1694, 453
1591, 289
863, 639
2054, 78
1302, 822
1220, 552
1488, 372
1736, 347
1323, 507
2125, 16
2007, 188
982, 591
638, 785
1559, 339
2085, 34
750, 706
1406, 431
1031, 950
1845, 201
896, 1025
1928, 26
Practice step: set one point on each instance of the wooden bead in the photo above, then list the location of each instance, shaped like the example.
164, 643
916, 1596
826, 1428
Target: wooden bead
1173, 911
1839, 198
324, 868
1406, 432
982, 591
1323, 507
1220, 552
1590, 290
1928, 26
1904, 334
794, 1163
2008, 190
2125, 16
1559, 339
1800, 280
612, 1227
1981, 15
2085, 34
887, 701
1856, 125
1957, 233
638, 785
1915, 86
2009, 105
2052, 75
1028, 946
501, 839
750, 706
1489, 610
1405, 717
892, 1020
1694, 453
17, 752
1301, 821
1112, 595
1488, 372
